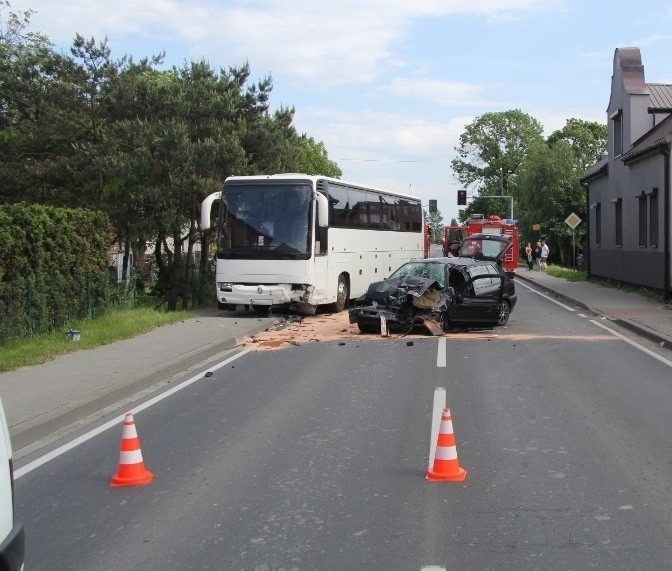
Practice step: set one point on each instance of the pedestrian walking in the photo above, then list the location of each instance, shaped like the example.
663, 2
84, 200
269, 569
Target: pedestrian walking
536, 255
544, 256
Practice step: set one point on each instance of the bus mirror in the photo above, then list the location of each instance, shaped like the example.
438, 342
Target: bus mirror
206, 209
322, 211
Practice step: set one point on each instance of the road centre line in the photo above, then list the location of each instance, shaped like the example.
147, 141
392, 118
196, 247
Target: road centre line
547, 297
633, 343
441, 353
437, 411
18, 472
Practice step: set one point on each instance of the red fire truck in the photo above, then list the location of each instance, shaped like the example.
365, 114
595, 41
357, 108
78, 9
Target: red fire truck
479, 224
452, 238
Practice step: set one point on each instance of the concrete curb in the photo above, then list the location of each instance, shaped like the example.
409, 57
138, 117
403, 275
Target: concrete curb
187, 365
564, 298
662, 341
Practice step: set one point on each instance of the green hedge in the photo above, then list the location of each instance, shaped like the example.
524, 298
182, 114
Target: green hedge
53, 267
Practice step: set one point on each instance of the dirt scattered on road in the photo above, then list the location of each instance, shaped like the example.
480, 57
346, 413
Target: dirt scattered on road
336, 327
307, 329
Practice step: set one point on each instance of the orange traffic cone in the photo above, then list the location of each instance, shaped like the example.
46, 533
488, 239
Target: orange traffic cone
131, 471
446, 465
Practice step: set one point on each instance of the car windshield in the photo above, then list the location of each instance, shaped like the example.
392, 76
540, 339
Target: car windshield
266, 221
482, 247
429, 270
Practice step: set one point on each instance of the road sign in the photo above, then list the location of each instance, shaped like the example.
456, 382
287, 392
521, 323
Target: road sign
573, 221
536, 226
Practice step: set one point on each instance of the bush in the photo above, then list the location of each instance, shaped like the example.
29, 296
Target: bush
53, 268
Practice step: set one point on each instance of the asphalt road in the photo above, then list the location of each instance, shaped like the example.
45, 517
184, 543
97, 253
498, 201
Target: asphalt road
314, 457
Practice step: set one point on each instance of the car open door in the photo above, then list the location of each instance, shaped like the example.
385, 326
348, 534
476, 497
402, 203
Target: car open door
478, 301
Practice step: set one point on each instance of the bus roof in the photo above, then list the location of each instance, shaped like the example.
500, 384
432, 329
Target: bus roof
314, 179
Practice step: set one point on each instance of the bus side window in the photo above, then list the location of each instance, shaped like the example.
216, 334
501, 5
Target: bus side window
340, 206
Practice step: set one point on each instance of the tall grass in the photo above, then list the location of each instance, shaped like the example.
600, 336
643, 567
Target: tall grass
94, 332
567, 273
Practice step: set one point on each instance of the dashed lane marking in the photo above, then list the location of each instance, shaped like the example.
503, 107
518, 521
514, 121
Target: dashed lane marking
437, 409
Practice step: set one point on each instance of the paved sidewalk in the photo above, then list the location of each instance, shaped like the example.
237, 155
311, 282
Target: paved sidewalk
44, 399
633, 311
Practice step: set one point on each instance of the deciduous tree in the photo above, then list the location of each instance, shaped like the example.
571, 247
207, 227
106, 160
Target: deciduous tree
490, 150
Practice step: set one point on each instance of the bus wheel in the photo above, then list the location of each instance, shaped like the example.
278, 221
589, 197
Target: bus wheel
342, 294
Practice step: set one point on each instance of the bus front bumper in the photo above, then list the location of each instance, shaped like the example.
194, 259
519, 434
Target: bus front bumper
262, 294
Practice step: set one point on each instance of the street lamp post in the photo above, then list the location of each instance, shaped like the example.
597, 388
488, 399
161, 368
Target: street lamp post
505, 187
501, 196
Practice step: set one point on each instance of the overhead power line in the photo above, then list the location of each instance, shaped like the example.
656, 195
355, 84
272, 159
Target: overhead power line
390, 160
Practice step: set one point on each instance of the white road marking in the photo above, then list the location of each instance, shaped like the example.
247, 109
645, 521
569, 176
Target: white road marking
116, 421
441, 353
634, 344
546, 297
614, 333
437, 411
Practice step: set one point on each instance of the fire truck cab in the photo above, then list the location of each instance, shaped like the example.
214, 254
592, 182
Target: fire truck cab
493, 224
452, 239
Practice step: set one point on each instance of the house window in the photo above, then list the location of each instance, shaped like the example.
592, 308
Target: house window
618, 221
641, 199
653, 218
617, 124
598, 224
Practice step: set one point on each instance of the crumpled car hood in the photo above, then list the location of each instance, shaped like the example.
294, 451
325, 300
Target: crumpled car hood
405, 302
396, 290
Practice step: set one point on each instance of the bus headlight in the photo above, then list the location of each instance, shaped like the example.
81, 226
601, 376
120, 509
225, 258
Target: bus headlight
225, 286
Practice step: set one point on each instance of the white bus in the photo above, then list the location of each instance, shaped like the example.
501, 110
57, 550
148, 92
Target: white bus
304, 241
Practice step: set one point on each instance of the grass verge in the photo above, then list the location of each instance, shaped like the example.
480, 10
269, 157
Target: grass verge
114, 326
567, 273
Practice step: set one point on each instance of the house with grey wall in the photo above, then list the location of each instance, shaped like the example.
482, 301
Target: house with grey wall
628, 190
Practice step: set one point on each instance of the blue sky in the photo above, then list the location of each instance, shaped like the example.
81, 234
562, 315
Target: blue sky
388, 85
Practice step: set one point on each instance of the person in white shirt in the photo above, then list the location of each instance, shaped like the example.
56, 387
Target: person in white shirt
544, 256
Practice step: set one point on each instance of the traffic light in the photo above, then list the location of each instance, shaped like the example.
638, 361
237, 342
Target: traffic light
432, 206
461, 197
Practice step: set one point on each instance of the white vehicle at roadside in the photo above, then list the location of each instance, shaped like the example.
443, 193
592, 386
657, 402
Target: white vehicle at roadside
306, 241
12, 538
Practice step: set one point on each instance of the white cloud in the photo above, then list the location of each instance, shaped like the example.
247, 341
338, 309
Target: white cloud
656, 38
439, 91
351, 41
382, 137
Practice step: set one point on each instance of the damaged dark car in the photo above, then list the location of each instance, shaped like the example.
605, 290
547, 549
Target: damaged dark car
440, 294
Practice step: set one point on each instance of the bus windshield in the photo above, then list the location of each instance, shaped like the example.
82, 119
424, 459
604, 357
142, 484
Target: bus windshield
266, 221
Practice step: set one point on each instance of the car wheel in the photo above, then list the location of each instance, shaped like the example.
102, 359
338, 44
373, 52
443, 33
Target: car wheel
504, 313
342, 295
